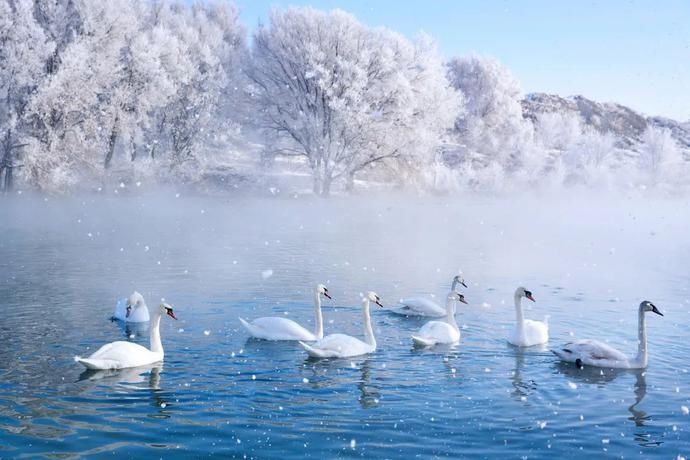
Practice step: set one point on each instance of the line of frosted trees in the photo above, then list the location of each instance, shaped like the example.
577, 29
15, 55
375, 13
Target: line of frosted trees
160, 86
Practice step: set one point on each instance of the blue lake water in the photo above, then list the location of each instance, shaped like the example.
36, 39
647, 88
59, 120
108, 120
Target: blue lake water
64, 262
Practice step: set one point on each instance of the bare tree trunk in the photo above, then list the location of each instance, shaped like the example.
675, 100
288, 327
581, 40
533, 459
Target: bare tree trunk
6, 164
350, 181
9, 179
316, 175
326, 180
326, 186
317, 183
111, 144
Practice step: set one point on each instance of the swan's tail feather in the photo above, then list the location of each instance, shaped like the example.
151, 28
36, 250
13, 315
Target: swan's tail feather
423, 342
248, 327
313, 352
97, 363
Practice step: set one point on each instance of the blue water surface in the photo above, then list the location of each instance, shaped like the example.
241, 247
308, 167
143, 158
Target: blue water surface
64, 263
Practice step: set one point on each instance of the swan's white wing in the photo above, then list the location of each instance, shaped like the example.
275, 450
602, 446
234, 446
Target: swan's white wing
439, 332
277, 328
139, 314
592, 352
119, 350
119, 355
419, 306
536, 332
342, 346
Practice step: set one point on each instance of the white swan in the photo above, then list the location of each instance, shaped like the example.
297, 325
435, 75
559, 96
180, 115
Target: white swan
423, 306
121, 355
598, 354
345, 346
277, 328
527, 332
446, 331
132, 310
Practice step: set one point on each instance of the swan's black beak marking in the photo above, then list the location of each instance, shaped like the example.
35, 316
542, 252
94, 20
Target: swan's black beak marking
463, 283
528, 294
656, 310
129, 310
378, 301
325, 292
462, 299
170, 313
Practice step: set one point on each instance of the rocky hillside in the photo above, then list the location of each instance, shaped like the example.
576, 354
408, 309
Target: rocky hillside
626, 124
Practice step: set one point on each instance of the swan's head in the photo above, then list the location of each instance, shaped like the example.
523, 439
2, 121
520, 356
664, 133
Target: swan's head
458, 279
168, 310
646, 305
321, 289
374, 297
522, 292
134, 301
456, 296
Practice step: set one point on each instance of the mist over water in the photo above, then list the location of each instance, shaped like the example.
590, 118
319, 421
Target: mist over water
589, 260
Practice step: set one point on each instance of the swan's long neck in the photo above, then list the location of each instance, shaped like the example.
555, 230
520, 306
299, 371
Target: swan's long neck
455, 283
642, 339
518, 313
450, 313
156, 345
368, 331
318, 332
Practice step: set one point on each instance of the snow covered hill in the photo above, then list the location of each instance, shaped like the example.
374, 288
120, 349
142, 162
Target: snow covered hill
622, 122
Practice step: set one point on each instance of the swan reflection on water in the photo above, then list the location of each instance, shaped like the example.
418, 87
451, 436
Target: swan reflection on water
132, 330
128, 377
327, 372
603, 376
523, 388
134, 378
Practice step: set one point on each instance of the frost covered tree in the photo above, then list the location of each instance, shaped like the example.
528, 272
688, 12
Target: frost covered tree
658, 154
346, 96
24, 51
586, 155
209, 44
76, 109
492, 127
130, 76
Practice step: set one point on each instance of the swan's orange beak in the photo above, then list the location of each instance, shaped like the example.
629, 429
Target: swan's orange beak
129, 310
529, 296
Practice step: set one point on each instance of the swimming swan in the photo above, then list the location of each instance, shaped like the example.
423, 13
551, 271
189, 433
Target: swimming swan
598, 354
132, 310
277, 328
446, 331
345, 346
423, 306
527, 332
121, 355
